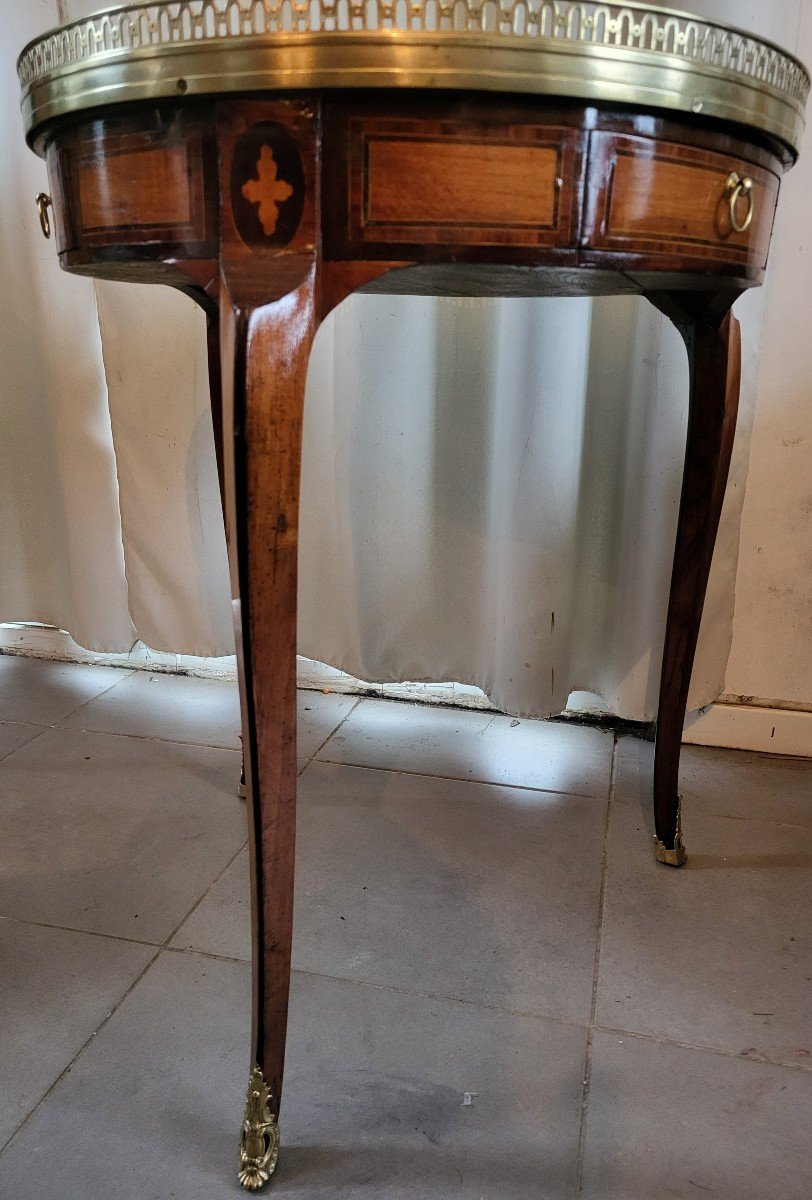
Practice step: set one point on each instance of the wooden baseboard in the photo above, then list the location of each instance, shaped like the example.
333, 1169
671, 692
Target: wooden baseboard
742, 726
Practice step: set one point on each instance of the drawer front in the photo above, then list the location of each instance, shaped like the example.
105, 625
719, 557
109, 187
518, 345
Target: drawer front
653, 197
418, 183
145, 187
132, 186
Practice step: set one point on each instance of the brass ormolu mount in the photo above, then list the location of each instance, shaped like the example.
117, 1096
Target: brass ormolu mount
678, 856
259, 1139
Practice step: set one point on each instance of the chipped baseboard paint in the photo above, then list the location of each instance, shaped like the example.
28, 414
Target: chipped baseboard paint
731, 722
43, 641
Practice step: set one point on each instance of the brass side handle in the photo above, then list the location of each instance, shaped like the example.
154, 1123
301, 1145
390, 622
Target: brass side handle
738, 188
44, 202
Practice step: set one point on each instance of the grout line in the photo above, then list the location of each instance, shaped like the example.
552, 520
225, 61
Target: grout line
334, 731
201, 898
25, 724
193, 952
124, 675
579, 1175
110, 937
81, 1049
400, 990
721, 816
529, 1014
300, 772
158, 951
719, 1051
147, 737
150, 737
515, 787
29, 724
592, 1025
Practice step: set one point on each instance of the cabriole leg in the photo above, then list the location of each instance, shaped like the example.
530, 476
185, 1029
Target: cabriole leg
269, 219
714, 351
267, 354
274, 292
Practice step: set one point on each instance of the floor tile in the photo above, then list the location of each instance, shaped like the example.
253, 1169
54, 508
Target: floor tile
737, 783
152, 1107
318, 715
715, 954
665, 1121
182, 708
458, 889
376, 1101
13, 734
374, 1107
41, 691
179, 708
221, 924
56, 987
114, 835
483, 746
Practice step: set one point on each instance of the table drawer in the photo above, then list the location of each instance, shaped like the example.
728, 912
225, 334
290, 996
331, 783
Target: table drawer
418, 183
662, 198
140, 185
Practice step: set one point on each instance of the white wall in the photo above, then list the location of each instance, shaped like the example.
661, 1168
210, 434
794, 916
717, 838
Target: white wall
771, 655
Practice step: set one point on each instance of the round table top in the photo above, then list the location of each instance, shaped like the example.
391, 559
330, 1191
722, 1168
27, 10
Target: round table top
635, 54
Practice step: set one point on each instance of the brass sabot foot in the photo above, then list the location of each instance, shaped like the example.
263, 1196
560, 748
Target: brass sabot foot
676, 857
259, 1140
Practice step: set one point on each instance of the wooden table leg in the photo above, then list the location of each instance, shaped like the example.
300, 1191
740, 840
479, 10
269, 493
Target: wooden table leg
714, 352
215, 395
268, 155
210, 306
266, 352
274, 292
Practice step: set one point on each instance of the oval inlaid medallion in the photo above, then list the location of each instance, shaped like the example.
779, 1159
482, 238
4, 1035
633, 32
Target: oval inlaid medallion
267, 185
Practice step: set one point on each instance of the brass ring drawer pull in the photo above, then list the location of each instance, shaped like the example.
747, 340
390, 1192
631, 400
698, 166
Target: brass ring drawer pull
740, 188
44, 202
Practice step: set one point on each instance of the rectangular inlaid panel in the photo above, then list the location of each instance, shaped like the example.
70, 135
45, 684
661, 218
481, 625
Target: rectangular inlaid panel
648, 195
135, 187
138, 186
411, 182
395, 182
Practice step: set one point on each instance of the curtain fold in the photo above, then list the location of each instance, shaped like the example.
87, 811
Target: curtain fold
489, 490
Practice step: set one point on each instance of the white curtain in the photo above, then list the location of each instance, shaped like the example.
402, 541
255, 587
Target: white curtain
490, 487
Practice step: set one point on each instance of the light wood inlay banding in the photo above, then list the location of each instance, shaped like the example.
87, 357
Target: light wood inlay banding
460, 183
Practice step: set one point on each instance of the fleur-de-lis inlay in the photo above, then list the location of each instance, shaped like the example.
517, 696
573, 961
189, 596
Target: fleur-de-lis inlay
267, 191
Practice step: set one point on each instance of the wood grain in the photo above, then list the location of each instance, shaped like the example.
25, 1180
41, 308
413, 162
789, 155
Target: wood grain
450, 184
144, 187
268, 318
459, 181
138, 186
655, 197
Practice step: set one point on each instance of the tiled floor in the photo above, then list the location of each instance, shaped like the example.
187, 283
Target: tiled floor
497, 994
